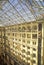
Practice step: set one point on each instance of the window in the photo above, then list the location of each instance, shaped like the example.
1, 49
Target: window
40, 27
28, 52
29, 28
28, 35
34, 42
15, 30
23, 29
20, 35
28, 64
23, 55
19, 53
23, 51
28, 58
28, 47
19, 39
15, 39
19, 29
13, 42
24, 35
34, 61
13, 34
23, 45
39, 40
34, 49
28, 41
34, 36
6, 56
34, 55
12, 29
34, 27
8, 33
13, 46
40, 34
23, 41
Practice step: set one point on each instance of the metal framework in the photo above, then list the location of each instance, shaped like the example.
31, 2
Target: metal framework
20, 11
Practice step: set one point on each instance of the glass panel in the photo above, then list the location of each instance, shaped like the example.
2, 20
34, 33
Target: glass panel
34, 36
28, 35
24, 35
40, 27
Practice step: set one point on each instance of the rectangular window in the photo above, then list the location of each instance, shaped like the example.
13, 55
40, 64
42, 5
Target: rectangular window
34, 28
39, 26
34, 49
28, 47
28, 41
8, 33
15, 39
28, 58
28, 52
19, 39
28, 35
23, 45
34, 42
13, 34
23, 29
24, 35
34, 55
34, 36
23, 55
15, 30
29, 28
34, 61
23, 41
19, 29
23, 51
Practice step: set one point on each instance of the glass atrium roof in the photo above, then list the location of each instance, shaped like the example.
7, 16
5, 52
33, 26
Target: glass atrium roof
20, 11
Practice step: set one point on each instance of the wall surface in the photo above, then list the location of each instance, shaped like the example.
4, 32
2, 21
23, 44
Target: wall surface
24, 43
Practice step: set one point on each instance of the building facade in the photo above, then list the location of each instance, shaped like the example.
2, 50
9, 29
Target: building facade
23, 43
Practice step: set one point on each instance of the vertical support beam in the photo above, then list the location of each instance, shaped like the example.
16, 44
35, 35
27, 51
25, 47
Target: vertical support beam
43, 44
4, 39
39, 42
